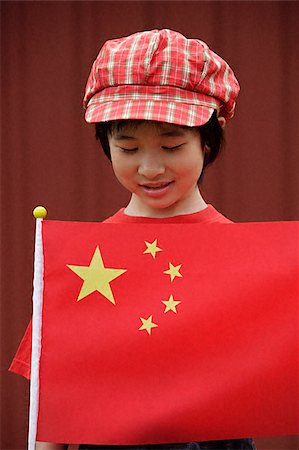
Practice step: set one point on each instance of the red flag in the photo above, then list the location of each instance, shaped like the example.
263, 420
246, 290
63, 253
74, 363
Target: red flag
168, 333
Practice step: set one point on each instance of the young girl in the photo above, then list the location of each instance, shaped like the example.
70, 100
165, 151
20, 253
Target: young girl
160, 102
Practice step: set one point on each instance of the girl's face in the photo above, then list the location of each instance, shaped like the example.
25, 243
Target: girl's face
159, 164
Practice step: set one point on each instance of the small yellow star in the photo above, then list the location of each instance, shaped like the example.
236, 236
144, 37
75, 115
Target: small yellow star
152, 248
147, 324
174, 271
96, 277
170, 304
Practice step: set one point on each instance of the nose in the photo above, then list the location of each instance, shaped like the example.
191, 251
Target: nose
151, 167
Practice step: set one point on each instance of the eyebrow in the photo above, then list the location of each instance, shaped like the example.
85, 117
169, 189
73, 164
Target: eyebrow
170, 133
173, 133
119, 137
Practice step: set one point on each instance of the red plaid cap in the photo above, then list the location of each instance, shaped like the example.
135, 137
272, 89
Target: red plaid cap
159, 75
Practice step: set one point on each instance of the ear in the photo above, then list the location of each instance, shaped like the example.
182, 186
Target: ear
222, 121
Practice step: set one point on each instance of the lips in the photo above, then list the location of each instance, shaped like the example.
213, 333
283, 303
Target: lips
160, 185
156, 190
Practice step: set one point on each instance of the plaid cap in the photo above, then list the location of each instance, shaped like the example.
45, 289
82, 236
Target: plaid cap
159, 75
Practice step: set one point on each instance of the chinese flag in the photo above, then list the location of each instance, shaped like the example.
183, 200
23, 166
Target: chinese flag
168, 333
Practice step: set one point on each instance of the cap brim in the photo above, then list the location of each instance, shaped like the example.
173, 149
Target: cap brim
178, 113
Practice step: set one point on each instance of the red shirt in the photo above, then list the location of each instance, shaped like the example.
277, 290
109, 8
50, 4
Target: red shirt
22, 360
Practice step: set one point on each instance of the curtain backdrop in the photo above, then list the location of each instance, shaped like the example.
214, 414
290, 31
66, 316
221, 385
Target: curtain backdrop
50, 156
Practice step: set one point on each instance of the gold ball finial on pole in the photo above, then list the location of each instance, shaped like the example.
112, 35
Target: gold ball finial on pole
40, 212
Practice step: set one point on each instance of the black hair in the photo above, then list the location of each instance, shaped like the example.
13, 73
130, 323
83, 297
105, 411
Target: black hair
211, 136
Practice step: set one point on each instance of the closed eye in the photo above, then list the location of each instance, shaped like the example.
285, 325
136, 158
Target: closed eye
129, 150
172, 148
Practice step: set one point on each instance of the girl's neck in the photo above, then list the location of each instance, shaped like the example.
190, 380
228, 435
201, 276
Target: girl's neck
190, 205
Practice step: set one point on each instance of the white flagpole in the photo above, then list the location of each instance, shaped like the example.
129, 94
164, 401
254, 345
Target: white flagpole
38, 286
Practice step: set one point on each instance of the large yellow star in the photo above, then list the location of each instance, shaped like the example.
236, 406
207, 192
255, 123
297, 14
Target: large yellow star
174, 271
170, 304
96, 277
152, 248
147, 324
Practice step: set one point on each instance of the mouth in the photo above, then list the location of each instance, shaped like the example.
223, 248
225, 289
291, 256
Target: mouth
156, 190
156, 186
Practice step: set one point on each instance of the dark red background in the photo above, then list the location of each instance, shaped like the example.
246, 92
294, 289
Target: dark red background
49, 155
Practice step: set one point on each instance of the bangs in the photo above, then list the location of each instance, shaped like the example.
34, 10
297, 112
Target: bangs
119, 125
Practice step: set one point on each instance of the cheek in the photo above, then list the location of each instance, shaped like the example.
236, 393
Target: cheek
191, 164
123, 167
